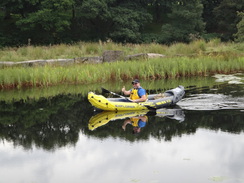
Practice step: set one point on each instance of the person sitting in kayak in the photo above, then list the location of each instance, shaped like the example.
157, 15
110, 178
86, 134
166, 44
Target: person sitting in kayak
137, 93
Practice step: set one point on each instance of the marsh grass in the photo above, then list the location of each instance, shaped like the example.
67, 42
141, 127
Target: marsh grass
81, 49
166, 68
199, 58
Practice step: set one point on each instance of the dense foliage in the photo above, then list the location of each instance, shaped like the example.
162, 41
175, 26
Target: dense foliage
162, 21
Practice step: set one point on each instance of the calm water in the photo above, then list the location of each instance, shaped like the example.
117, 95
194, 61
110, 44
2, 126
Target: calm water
59, 139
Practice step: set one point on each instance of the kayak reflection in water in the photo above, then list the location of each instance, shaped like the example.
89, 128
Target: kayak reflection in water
138, 119
137, 123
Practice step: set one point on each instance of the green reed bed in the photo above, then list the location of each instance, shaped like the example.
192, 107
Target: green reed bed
151, 69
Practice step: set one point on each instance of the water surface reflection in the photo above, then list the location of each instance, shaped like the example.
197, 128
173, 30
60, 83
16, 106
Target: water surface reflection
135, 118
61, 139
202, 157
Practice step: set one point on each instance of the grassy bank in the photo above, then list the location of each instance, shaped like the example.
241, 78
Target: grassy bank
82, 49
201, 59
163, 68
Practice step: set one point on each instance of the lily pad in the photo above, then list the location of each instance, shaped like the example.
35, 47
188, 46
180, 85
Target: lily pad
231, 79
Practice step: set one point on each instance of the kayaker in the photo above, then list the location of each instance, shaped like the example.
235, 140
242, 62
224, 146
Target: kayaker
137, 93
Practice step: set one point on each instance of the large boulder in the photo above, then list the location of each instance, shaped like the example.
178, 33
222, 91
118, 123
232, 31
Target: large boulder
110, 56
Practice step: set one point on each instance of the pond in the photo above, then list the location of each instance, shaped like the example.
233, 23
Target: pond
56, 137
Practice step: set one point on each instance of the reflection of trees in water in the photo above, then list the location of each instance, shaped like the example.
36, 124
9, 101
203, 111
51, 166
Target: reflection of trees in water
165, 129
56, 122
46, 123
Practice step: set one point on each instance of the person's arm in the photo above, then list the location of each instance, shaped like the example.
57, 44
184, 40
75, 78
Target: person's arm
125, 91
127, 121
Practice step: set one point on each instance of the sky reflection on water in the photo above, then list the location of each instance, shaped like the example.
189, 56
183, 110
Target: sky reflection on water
206, 156
206, 147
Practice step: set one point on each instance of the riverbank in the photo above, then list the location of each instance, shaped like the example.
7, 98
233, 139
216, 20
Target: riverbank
84, 49
167, 68
201, 63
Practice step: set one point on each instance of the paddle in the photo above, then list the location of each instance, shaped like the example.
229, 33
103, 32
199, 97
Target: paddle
107, 91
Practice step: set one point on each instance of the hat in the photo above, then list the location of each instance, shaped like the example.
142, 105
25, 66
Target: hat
135, 81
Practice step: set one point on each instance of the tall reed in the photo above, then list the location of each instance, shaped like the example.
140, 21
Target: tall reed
119, 71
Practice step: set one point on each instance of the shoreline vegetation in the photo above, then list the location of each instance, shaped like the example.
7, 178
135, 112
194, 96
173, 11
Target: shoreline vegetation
199, 58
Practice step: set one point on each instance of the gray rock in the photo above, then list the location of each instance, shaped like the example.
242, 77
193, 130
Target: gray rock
110, 56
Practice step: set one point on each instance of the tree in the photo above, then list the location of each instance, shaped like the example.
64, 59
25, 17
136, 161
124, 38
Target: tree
52, 18
118, 20
128, 20
55, 21
240, 28
92, 19
16, 7
185, 19
10, 12
208, 15
227, 19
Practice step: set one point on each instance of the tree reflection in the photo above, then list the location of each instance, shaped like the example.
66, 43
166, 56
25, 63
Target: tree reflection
47, 123
51, 123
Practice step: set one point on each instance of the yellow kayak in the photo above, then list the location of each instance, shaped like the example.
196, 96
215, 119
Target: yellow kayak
105, 104
155, 101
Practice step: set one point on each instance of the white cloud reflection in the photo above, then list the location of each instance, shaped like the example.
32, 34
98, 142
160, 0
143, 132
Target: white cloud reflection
190, 158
